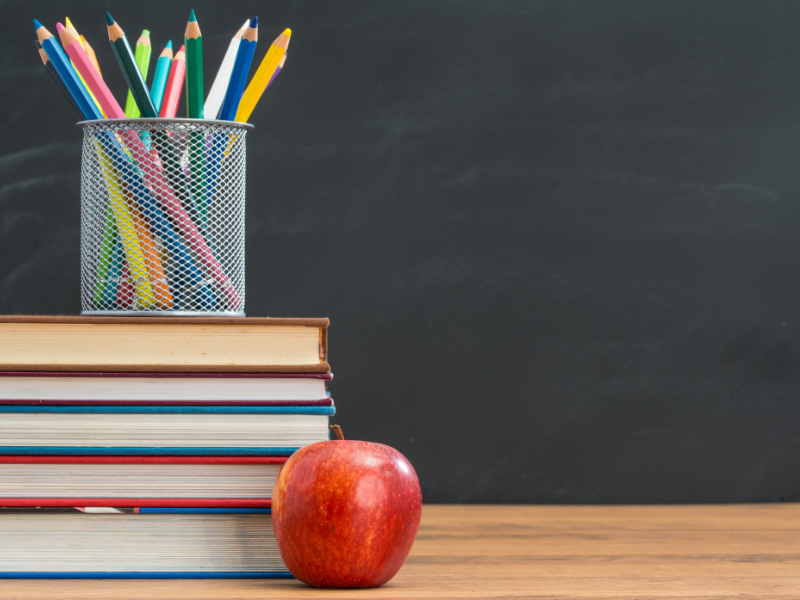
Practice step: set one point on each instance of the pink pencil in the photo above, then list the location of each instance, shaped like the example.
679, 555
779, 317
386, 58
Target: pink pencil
83, 63
152, 174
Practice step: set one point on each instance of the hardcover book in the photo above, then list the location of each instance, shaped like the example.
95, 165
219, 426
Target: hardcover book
21, 387
138, 481
146, 543
163, 344
161, 430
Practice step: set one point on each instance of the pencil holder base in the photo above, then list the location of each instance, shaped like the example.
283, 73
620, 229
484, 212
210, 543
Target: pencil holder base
162, 217
160, 313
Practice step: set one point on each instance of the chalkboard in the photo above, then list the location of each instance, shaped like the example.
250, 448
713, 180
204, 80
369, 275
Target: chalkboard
559, 241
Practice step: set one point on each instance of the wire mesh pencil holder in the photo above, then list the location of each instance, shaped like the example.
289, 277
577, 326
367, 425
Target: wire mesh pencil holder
162, 217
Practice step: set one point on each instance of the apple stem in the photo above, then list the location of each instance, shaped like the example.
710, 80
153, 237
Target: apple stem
338, 431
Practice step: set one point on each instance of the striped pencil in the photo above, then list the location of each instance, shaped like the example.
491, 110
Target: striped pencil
263, 76
54, 74
142, 57
127, 61
217, 94
159, 82
193, 41
241, 68
68, 75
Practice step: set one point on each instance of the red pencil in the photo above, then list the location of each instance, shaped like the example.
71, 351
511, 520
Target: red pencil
172, 93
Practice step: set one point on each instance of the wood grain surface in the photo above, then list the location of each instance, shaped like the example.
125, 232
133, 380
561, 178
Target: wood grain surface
631, 552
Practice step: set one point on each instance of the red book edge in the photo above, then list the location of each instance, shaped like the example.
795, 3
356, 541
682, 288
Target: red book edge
138, 502
162, 375
145, 460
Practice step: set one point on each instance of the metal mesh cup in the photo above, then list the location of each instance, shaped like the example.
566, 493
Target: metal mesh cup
162, 217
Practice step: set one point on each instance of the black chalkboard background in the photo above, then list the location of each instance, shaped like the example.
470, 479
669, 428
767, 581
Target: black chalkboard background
559, 241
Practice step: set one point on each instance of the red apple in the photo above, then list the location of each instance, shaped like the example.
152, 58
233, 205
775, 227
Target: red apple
346, 513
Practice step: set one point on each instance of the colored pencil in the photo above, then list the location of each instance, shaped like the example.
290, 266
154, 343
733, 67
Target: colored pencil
135, 259
54, 74
127, 61
113, 276
160, 76
90, 51
241, 68
278, 70
105, 257
85, 45
68, 75
140, 183
172, 91
221, 81
142, 56
263, 76
193, 40
59, 27
92, 78
125, 291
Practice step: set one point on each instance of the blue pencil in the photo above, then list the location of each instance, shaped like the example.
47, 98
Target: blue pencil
68, 75
244, 56
160, 76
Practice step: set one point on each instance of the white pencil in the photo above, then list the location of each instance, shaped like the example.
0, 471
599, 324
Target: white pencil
217, 94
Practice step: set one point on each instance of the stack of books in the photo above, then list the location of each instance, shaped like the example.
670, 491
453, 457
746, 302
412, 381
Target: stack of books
149, 446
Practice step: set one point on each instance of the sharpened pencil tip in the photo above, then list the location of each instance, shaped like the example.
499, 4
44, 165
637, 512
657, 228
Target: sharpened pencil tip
169, 45
146, 32
109, 19
192, 17
67, 22
254, 23
182, 48
37, 24
59, 27
287, 32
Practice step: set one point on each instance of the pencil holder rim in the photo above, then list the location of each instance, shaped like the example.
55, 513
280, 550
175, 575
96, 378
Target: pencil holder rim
248, 126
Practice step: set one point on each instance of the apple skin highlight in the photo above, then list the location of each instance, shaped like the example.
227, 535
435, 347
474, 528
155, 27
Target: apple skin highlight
346, 513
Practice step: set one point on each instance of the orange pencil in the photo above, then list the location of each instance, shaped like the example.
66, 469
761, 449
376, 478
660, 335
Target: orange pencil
172, 93
92, 55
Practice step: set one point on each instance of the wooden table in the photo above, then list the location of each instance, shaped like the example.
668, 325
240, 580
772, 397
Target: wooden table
544, 552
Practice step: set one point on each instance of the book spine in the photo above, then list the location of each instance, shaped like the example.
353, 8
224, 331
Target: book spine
325, 402
194, 410
143, 451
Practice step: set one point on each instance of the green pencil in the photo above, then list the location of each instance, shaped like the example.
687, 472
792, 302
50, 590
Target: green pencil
122, 50
194, 110
194, 69
142, 57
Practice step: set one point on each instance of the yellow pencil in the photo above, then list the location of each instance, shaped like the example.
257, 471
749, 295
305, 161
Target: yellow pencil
127, 232
262, 77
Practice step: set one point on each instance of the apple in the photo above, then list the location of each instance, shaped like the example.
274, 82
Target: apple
346, 513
